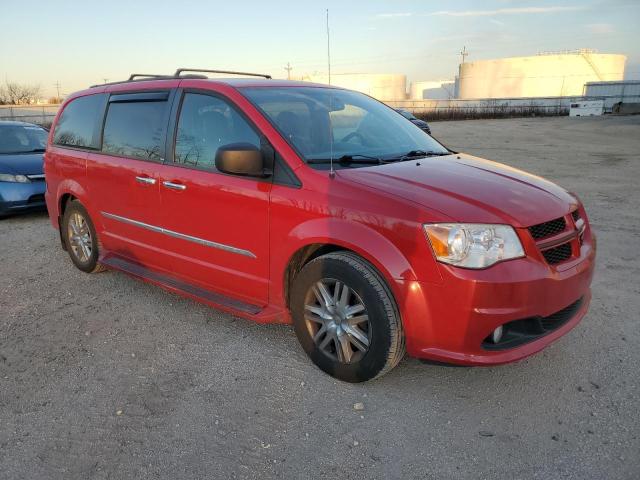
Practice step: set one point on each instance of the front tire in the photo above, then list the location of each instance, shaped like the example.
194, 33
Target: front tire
345, 318
80, 238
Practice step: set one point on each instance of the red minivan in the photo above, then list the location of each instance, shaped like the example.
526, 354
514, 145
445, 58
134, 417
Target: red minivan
293, 202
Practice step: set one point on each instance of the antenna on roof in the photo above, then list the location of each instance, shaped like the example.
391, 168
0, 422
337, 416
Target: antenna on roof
328, 49
332, 172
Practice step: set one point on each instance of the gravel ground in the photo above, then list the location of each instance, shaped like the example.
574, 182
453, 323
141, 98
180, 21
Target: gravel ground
104, 376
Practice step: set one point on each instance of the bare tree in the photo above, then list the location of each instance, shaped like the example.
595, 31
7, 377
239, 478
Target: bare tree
12, 93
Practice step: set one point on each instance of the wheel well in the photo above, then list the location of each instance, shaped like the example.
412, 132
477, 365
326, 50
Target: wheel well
64, 201
304, 256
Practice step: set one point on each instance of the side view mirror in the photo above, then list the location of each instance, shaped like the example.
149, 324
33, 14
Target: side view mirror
241, 159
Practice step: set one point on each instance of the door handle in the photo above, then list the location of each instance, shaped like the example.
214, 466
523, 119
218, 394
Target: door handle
174, 186
146, 180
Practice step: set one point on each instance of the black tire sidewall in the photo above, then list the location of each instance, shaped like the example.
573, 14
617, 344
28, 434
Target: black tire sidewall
91, 264
375, 359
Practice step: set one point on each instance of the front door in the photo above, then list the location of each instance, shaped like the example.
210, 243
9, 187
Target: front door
217, 224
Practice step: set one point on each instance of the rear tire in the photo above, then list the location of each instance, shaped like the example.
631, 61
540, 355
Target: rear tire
80, 239
345, 318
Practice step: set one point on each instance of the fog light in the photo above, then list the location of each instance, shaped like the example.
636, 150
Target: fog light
496, 336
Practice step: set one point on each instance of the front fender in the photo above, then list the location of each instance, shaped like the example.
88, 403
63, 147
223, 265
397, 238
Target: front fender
370, 244
363, 240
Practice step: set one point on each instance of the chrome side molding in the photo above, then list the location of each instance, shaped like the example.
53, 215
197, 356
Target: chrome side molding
182, 236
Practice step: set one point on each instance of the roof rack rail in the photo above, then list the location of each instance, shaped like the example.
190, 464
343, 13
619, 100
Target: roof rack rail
133, 78
228, 72
141, 77
146, 75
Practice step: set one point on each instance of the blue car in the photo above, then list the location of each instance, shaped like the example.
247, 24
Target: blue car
421, 124
22, 182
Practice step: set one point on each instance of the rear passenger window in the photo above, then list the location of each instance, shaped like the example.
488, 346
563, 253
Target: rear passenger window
205, 124
135, 129
80, 122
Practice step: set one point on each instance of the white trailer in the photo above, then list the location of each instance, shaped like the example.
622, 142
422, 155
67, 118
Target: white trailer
586, 108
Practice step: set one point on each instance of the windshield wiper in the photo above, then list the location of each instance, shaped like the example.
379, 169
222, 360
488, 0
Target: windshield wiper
415, 154
347, 159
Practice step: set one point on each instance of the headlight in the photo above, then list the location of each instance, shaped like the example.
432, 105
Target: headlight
473, 245
7, 177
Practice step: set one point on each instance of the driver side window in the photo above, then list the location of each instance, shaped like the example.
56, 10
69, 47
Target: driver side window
206, 123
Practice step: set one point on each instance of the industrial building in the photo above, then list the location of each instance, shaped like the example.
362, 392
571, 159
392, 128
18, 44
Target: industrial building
618, 97
545, 75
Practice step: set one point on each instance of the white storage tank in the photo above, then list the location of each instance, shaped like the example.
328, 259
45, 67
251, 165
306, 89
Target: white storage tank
383, 86
432, 90
543, 75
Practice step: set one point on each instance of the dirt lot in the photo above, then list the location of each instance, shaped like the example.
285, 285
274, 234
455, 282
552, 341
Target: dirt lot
104, 376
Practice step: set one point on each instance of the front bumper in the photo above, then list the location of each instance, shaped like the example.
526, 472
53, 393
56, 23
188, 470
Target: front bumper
450, 321
20, 197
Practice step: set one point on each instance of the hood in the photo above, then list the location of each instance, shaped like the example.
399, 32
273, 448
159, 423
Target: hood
22, 163
469, 189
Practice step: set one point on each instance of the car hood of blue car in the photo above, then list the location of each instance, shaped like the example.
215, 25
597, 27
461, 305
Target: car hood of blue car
22, 163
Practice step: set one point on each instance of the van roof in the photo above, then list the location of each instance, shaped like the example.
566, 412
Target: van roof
145, 82
248, 80
233, 82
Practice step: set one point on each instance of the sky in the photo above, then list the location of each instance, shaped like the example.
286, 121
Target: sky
77, 44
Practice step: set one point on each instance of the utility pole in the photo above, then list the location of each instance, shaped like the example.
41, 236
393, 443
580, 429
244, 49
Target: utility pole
288, 68
57, 85
464, 54
105, 80
328, 49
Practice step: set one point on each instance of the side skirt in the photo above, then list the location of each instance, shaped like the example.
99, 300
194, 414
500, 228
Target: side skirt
217, 300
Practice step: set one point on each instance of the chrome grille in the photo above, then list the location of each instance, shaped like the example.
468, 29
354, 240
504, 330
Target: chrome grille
557, 254
546, 229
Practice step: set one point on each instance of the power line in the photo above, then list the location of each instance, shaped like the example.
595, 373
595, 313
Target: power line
57, 85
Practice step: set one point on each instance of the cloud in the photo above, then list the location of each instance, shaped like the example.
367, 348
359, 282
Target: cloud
505, 11
394, 15
600, 28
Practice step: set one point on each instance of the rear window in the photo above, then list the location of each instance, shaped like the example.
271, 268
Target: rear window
79, 124
135, 129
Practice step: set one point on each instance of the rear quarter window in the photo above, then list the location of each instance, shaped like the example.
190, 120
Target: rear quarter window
80, 122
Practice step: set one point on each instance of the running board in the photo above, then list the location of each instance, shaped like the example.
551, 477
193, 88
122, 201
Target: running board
143, 272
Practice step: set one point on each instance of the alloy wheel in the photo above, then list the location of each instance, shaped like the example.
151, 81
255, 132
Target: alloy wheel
337, 320
80, 239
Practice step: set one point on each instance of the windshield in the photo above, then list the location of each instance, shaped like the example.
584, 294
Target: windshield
22, 139
323, 123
